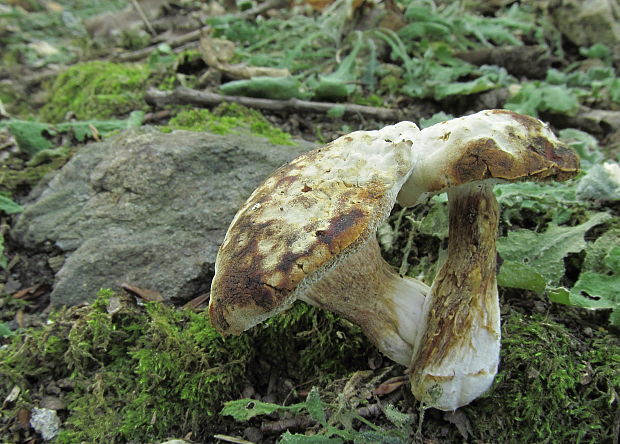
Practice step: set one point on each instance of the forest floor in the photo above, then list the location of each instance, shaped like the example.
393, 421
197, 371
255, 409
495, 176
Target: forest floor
128, 369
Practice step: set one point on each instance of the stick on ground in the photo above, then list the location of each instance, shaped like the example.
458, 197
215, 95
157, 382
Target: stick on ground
187, 96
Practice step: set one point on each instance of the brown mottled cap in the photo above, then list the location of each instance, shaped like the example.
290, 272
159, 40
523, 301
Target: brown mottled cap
498, 145
305, 217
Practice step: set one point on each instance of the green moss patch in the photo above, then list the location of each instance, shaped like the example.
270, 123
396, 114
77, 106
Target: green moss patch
228, 118
96, 90
553, 386
146, 373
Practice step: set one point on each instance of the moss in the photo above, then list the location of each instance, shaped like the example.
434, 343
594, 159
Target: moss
319, 344
145, 373
14, 178
96, 90
552, 386
228, 118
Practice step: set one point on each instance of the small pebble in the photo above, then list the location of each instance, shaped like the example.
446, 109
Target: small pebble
45, 422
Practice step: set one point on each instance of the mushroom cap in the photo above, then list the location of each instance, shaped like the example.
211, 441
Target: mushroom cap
498, 145
303, 219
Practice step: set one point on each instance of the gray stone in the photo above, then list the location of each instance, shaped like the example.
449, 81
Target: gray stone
146, 208
45, 422
588, 22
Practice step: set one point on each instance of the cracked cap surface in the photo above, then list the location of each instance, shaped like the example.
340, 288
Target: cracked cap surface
302, 219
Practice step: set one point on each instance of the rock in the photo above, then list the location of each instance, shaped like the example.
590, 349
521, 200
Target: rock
45, 422
52, 403
588, 22
145, 208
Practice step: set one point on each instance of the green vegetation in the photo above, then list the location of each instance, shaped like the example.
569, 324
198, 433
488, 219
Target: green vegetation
550, 384
35, 138
228, 118
96, 90
144, 373
45, 34
337, 430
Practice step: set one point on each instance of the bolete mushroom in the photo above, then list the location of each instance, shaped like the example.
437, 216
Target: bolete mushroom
308, 233
457, 349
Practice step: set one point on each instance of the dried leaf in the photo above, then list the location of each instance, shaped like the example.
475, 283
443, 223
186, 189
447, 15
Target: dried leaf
461, 421
143, 293
197, 301
390, 385
218, 52
28, 294
11, 397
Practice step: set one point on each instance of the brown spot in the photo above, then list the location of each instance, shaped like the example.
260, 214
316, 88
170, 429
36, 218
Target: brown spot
445, 136
343, 230
473, 164
287, 262
286, 181
559, 154
306, 188
483, 159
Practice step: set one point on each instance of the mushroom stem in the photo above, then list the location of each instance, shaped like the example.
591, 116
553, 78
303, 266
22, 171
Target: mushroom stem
457, 351
364, 289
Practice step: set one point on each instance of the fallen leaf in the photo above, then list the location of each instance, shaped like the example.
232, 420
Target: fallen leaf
461, 421
390, 385
218, 52
11, 397
197, 301
23, 418
143, 293
27, 293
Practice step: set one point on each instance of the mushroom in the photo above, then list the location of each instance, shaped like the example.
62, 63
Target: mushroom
457, 348
308, 233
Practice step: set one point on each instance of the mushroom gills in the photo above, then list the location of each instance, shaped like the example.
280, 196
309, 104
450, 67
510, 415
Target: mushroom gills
457, 350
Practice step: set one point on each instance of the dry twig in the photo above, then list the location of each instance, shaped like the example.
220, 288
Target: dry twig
187, 96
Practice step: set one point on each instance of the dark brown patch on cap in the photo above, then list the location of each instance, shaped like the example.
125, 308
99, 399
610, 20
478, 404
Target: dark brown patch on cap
474, 164
483, 159
343, 230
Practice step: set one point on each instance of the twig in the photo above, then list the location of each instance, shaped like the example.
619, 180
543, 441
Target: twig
197, 301
145, 52
143, 16
263, 7
187, 96
195, 34
232, 439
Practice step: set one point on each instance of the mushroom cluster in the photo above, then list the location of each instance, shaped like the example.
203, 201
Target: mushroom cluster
309, 233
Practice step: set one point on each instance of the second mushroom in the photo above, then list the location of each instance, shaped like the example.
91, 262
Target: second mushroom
309, 232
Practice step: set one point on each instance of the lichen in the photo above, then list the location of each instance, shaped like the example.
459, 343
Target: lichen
228, 118
96, 90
